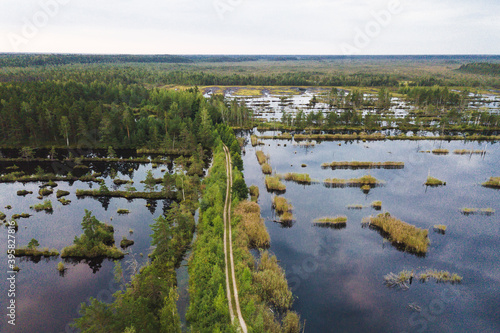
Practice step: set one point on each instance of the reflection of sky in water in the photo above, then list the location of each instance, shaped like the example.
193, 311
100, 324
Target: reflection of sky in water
338, 274
46, 301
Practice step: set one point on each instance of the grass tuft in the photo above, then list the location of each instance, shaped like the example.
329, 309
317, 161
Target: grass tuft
274, 184
261, 157
493, 182
338, 221
431, 181
46, 206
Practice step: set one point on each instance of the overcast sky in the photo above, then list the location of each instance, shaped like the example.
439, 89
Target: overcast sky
251, 26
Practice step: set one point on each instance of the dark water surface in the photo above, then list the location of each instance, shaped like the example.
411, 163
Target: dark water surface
337, 275
46, 301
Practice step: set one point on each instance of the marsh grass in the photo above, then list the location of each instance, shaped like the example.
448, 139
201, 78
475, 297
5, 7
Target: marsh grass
480, 211
261, 157
363, 165
404, 279
255, 141
2, 216
123, 211
401, 234
267, 169
252, 224
440, 228
254, 193
335, 222
60, 267
301, 178
367, 180
64, 201
377, 205
124, 243
440, 151
273, 183
281, 205
34, 252
469, 152
45, 192
22, 215
46, 206
287, 218
493, 182
24, 192
431, 181
61, 193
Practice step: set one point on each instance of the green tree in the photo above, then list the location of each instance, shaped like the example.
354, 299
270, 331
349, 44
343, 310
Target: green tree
33, 244
65, 128
240, 189
169, 316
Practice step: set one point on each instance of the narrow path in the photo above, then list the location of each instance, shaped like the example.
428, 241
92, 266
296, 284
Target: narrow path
228, 238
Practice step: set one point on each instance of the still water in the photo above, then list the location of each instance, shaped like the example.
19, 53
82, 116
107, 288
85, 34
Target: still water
337, 275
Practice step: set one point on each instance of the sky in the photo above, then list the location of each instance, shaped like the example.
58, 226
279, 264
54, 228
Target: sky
335, 27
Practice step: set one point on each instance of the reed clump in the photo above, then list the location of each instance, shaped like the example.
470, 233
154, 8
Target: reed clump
122, 211
440, 228
440, 151
267, 169
252, 224
24, 192
60, 267
64, 201
493, 182
481, 211
61, 193
254, 192
255, 141
124, 243
367, 180
45, 191
363, 165
431, 181
301, 178
469, 152
377, 205
337, 221
281, 205
46, 206
22, 215
413, 239
273, 183
261, 157
404, 278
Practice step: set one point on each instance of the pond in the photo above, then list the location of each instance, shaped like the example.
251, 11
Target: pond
337, 275
47, 301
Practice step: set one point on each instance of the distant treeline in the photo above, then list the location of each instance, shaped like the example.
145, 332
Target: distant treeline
483, 68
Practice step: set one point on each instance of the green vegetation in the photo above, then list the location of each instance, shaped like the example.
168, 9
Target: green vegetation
20, 177
124, 243
402, 234
23, 215
403, 279
45, 191
261, 157
96, 241
281, 205
482, 211
469, 152
248, 216
431, 181
377, 205
493, 182
122, 211
336, 222
121, 181
483, 68
24, 192
440, 151
440, 228
126, 194
60, 267
64, 201
254, 193
46, 206
301, 178
61, 193
32, 250
2, 216
267, 169
364, 165
353, 182
273, 184
255, 141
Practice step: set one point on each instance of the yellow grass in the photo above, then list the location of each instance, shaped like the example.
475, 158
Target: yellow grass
252, 223
261, 157
274, 184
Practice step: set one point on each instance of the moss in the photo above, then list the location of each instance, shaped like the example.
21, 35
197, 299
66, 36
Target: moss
24, 192
61, 193
123, 211
46, 206
493, 182
431, 181
402, 234
363, 165
124, 243
274, 184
